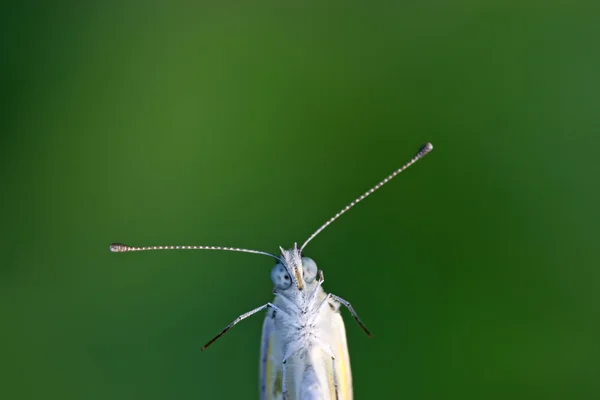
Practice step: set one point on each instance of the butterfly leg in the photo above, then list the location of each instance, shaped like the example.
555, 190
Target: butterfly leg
335, 377
320, 281
291, 350
241, 318
354, 315
283, 380
325, 301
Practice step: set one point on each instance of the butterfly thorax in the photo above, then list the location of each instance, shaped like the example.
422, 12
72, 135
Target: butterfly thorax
299, 311
301, 301
303, 327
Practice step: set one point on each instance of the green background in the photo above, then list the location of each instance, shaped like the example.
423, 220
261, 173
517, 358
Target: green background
251, 124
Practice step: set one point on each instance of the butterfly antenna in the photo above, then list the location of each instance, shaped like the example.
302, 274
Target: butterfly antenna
426, 148
122, 248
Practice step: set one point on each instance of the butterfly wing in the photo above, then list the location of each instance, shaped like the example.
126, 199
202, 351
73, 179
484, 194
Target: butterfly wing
333, 334
270, 375
310, 372
339, 346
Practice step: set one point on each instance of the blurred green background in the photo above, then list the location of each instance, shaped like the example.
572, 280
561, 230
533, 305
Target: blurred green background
250, 125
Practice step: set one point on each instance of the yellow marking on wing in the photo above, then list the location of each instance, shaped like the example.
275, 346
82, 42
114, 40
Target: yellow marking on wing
330, 377
278, 384
274, 382
343, 370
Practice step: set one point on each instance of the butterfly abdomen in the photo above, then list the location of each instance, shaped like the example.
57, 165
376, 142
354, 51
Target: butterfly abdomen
311, 387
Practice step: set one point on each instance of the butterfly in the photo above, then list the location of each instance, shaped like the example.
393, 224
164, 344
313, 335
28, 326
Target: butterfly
303, 351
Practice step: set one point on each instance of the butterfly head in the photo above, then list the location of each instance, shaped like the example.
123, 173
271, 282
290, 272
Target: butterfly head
293, 270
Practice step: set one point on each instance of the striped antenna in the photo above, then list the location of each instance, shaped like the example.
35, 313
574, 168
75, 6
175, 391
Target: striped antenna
122, 248
426, 148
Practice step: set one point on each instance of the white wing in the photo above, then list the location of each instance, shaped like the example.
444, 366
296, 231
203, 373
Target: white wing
310, 370
332, 334
270, 374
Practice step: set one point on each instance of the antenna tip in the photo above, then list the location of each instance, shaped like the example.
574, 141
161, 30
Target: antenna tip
118, 248
426, 148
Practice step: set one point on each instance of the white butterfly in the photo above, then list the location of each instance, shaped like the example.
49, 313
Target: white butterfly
303, 353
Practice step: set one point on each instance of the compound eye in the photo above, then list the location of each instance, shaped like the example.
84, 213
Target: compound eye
310, 269
280, 277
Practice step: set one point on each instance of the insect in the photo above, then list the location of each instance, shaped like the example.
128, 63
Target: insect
303, 352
